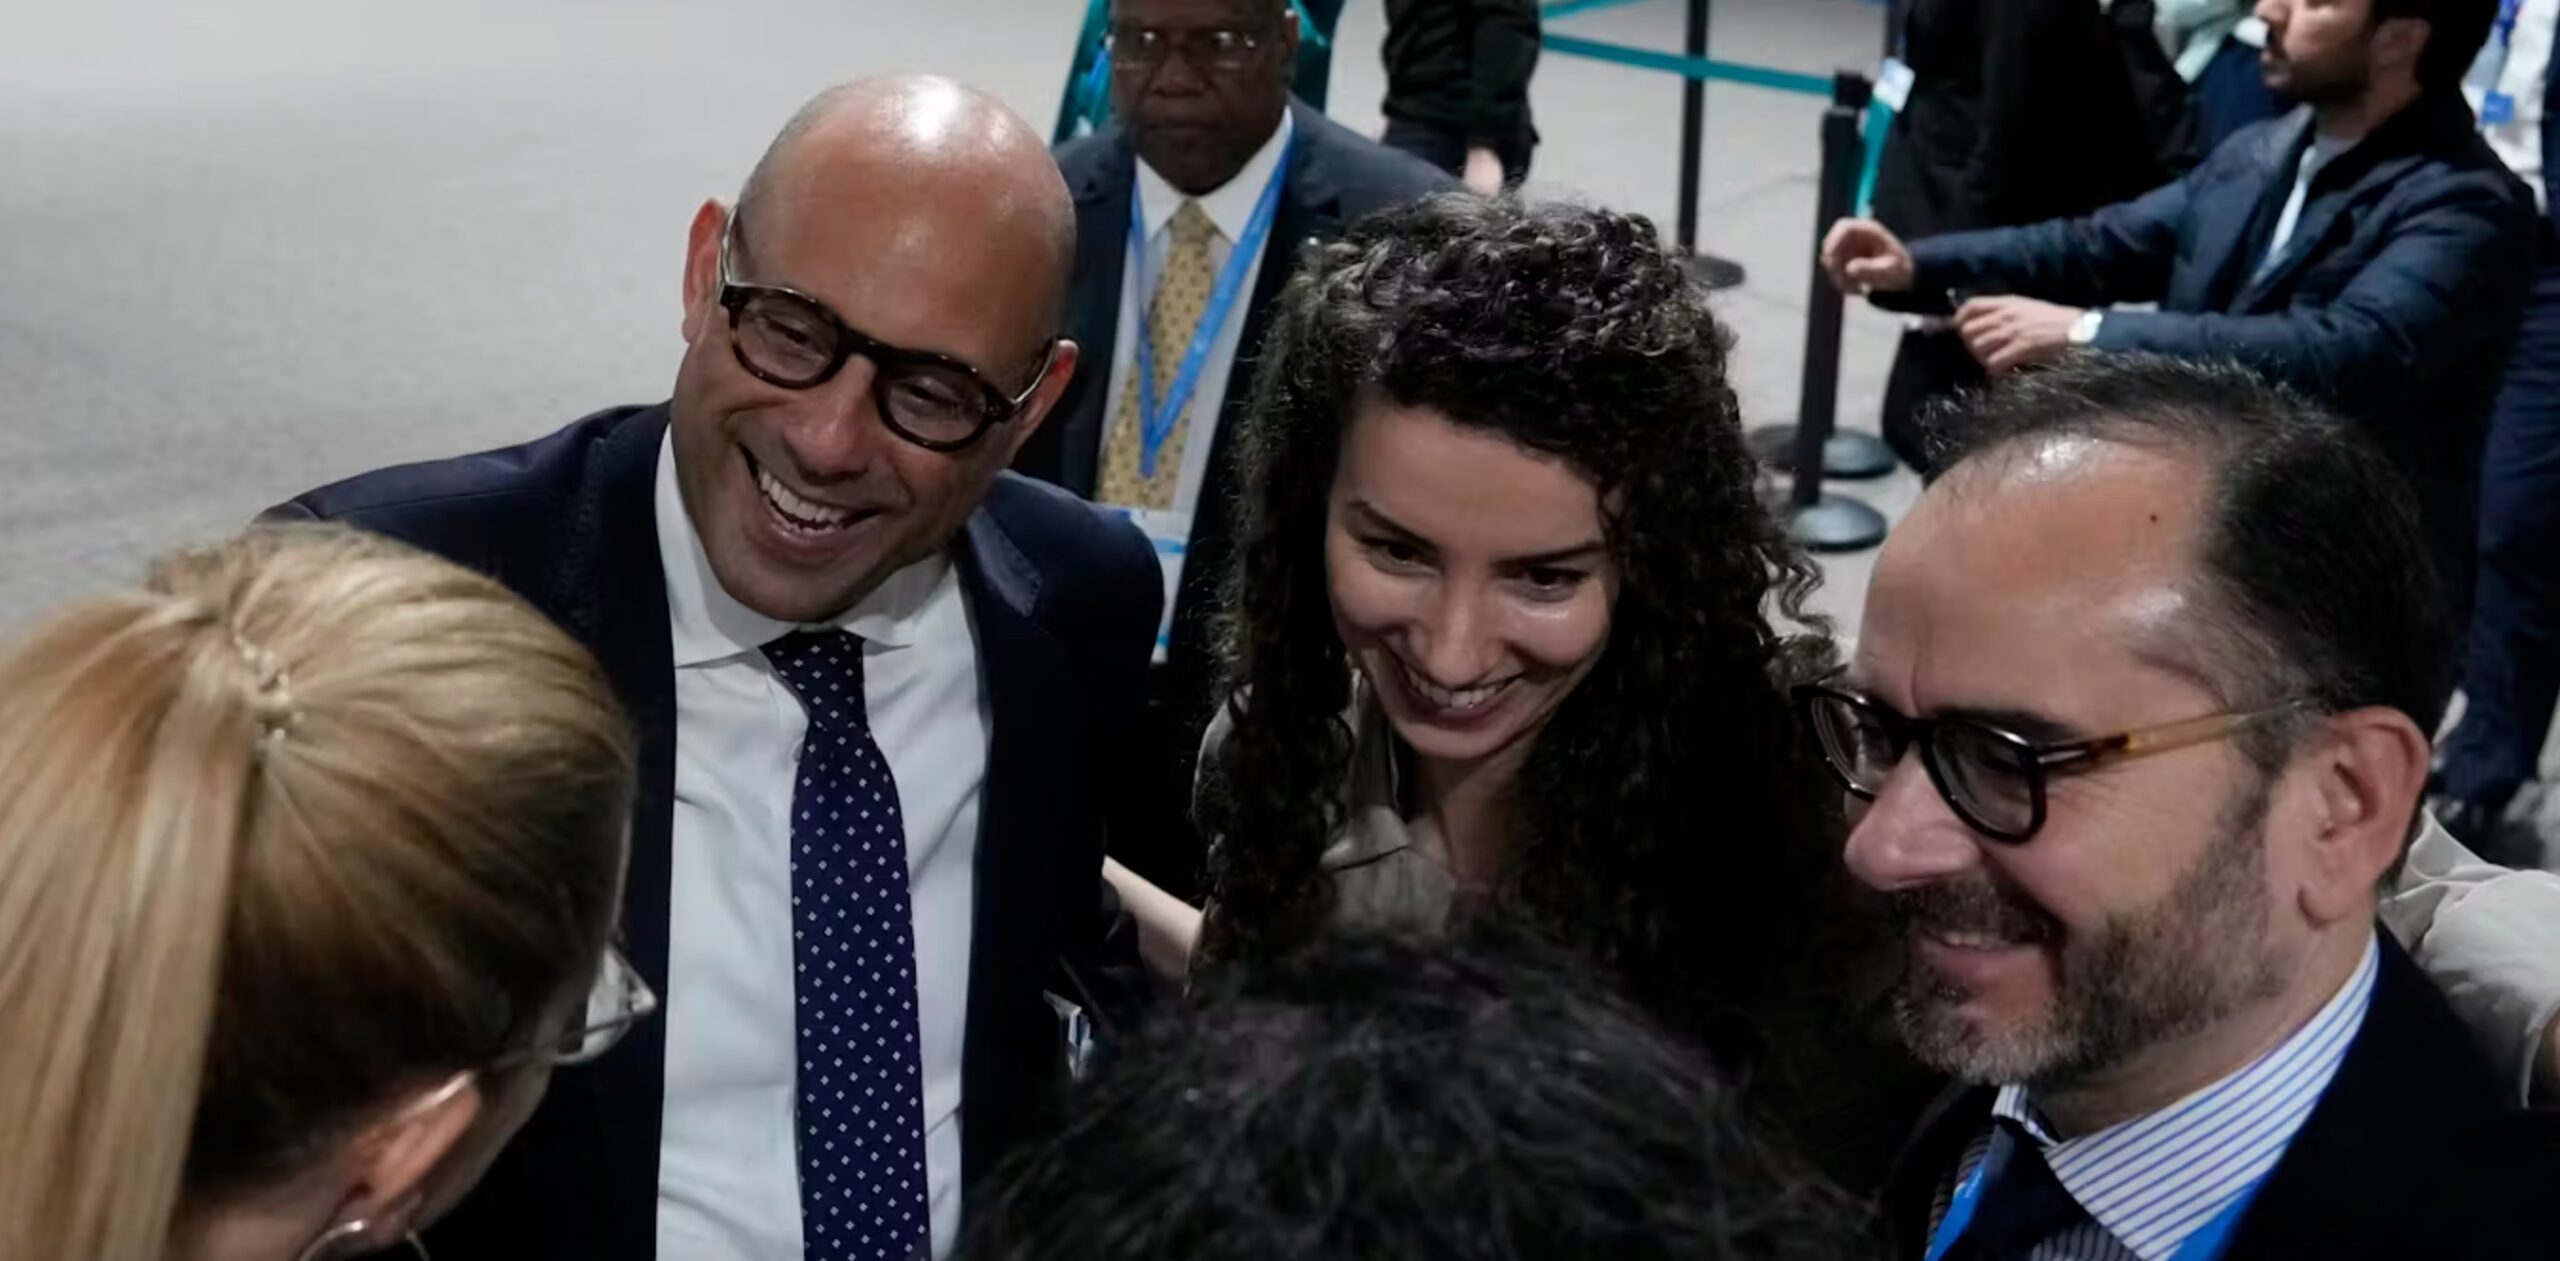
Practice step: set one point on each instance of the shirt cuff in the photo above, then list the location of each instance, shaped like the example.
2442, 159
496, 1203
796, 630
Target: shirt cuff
2085, 329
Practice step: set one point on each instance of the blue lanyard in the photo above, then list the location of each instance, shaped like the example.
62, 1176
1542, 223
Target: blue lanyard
2206, 1244
1156, 420
1959, 1214
2508, 11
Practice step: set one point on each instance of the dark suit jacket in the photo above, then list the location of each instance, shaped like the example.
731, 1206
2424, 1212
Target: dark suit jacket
1065, 602
2395, 299
2021, 110
1463, 67
2415, 1150
1334, 177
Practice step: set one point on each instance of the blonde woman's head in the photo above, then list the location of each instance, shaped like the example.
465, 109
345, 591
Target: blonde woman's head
309, 851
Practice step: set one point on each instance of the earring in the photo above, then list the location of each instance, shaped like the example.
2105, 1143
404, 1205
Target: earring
344, 1231
331, 1238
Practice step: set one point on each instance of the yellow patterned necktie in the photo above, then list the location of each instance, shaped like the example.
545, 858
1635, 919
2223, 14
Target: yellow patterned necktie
1173, 317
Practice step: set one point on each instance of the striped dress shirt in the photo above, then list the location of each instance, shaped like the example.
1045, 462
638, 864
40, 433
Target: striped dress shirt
2149, 1184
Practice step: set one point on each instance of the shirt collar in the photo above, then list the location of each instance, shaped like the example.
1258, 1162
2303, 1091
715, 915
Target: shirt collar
2322, 151
710, 626
2157, 1179
1230, 205
1376, 783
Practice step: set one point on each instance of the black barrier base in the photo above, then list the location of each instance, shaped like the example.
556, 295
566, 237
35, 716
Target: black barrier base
1714, 272
1833, 524
1852, 457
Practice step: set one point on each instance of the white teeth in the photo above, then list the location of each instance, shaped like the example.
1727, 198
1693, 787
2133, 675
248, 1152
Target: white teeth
1460, 700
802, 512
1973, 941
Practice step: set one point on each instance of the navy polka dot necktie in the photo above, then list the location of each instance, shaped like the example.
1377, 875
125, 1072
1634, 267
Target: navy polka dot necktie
862, 1168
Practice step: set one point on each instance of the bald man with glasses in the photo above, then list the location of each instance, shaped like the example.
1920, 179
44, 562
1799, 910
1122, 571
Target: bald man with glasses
880, 685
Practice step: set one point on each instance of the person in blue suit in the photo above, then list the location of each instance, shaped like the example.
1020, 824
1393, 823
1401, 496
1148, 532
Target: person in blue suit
2368, 249
877, 680
2511, 671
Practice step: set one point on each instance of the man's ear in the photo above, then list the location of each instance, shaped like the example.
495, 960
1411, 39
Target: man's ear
702, 266
2369, 769
2402, 42
393, 1158
1035, 410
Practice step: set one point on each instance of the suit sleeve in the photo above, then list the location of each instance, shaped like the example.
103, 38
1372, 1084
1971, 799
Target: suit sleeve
1503, 55
2123, 253
1107, 955
2467, 249
1137, 611
2490, 939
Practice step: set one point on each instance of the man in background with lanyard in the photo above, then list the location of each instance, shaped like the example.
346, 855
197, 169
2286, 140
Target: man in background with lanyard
2511, 672
2138, 715
1189, 212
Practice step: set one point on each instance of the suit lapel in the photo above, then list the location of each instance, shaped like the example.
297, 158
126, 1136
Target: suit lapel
610, 589
1024, 670
1102, 252
2410, 1092
2234, 230
1929, 1160
2320, 214
2357, 177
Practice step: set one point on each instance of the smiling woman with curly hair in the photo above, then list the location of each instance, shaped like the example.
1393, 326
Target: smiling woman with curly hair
1509, 630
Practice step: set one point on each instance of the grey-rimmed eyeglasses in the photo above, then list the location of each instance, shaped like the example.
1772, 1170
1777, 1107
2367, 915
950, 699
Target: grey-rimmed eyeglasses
619, 1000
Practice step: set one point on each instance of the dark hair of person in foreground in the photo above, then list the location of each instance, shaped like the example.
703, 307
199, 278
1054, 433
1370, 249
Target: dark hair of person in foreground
1371, 1100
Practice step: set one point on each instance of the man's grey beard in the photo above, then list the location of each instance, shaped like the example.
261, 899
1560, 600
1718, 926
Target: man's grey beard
2165, 971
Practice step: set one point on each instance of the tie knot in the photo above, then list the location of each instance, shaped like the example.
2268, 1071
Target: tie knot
824, 668
1192, 226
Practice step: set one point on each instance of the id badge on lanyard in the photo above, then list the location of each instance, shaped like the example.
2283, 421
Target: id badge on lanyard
2497, 107
1169, 533
1894, 81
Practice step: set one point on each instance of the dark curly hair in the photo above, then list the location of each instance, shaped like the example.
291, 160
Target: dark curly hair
1380, 1100
1672, 824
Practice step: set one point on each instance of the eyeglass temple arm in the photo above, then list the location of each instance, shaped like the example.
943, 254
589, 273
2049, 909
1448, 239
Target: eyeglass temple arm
2145, 741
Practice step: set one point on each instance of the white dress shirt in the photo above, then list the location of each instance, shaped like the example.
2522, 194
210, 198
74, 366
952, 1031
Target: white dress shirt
1230, 207
2315, 157
729, 1169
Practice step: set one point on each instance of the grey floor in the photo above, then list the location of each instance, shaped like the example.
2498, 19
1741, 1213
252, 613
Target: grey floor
249, 247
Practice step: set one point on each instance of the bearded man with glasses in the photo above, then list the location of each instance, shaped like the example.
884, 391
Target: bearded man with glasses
881, 686
2135, 729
